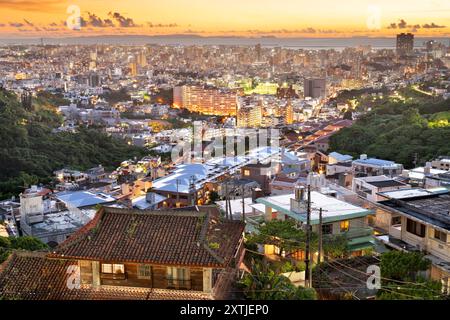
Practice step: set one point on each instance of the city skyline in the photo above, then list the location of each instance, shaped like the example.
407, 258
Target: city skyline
295, 18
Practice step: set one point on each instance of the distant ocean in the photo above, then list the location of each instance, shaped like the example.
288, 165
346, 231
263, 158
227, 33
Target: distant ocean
299, 43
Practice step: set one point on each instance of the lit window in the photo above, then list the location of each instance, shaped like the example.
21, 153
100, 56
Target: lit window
113, 268
246, 173
144, 271
345, 225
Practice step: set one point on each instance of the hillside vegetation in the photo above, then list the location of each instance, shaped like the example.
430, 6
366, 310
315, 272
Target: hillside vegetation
399, 131
30, 152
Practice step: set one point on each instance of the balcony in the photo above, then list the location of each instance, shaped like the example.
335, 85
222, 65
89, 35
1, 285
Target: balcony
179, 284
113, 276
358, 233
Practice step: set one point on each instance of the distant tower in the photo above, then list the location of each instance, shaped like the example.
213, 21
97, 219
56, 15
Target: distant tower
405, 44
315, 88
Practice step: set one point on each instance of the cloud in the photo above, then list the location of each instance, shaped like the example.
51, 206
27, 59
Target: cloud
97, 22
16, 24
161, 25
308, 30
402, 24
122, 21
432, 26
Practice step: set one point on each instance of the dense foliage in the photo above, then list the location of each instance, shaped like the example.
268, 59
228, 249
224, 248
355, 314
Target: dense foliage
289, 238
399, 131
30, 152
401, 279
265, 284
19, 243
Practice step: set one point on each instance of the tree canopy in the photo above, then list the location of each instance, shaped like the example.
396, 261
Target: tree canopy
31, 151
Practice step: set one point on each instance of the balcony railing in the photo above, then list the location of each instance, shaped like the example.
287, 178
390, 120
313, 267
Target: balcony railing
114, 276
181, 284
358, 233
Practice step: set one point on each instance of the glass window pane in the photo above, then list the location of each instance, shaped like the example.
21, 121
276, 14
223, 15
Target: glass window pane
107, 268
119, 268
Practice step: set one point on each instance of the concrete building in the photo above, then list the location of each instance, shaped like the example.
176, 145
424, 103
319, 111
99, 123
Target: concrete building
315, 88
370, 187
339, 217
442, 163
210, 101
405, 43
365, 166
421, 222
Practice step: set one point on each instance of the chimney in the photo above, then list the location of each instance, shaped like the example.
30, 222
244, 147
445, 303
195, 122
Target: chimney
363, 157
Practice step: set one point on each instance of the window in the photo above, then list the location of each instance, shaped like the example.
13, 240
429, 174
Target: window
113, 268
327, 229
396, 220
439, 235
178, 277
246, 173
415, 228
345, 225
144, 271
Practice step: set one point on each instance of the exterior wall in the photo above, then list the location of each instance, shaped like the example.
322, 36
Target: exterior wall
428, 243
91, 274
411, 238
442, 276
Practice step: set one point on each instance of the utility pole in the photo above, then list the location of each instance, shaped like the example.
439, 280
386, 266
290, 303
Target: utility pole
178, 195
226, 199
243, 203
308, 234
320, 237
319, 257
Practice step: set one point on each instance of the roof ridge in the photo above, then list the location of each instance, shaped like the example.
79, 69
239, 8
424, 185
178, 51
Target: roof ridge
80, 233
151, 212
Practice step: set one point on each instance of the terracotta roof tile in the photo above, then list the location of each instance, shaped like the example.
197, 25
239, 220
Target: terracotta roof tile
31, 276
158, 237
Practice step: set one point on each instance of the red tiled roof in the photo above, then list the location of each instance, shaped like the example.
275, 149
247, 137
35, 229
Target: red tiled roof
33, 276
155, 237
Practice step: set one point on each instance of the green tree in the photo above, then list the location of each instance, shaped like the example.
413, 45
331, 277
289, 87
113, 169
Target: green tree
399, 265
284, 234
27, 243
400, 280
265, 284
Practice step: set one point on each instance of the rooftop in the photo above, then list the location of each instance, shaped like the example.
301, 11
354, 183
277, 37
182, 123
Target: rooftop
382, 181
431, 208
79, 199
155, 237
376, 163
333, 209
180, 179
340, 157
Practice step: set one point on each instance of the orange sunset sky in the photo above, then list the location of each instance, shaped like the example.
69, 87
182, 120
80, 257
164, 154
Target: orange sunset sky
285, 18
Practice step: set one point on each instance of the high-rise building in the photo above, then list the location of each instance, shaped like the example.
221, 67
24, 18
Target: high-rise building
178, 97
94, 80
258, 52
209, 101
249, 116
315, 88
405, 43
142, 59
289, 113
133, 69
